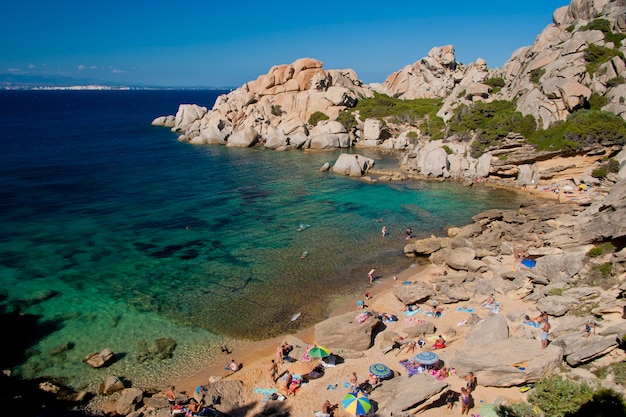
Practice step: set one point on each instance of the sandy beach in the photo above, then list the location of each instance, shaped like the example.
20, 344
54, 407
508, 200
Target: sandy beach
256, 357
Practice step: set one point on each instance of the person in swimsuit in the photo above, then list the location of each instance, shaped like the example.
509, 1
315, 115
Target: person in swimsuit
465, 401
545, 332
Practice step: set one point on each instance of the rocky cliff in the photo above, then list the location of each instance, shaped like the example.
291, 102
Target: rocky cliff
577, 59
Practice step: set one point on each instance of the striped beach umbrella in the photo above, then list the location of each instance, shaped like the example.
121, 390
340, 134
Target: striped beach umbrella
319, 352
356, 404
427, 358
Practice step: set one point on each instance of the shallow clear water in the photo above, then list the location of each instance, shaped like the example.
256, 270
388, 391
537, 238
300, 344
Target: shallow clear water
117, 234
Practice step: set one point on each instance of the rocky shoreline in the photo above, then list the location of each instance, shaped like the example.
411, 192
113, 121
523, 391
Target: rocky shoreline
480, 259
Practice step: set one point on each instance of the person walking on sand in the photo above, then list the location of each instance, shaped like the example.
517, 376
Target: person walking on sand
384, 230
370, 275
273, 371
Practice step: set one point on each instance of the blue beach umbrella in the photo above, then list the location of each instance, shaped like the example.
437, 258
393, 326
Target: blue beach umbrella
356, 404
380, 370
427, 358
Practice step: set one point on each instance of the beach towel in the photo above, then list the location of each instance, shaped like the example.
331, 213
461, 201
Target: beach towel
529, 263
411, 368
305, 356
267, 392
431, 314
412, 312
533, 324
407, 282
465, 309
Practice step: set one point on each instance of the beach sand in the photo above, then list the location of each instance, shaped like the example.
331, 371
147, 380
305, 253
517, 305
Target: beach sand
256, 357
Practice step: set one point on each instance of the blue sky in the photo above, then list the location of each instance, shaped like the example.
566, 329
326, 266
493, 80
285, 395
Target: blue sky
210, 43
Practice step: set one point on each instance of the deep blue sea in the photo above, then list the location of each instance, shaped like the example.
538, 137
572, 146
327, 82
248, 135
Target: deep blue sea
114, 234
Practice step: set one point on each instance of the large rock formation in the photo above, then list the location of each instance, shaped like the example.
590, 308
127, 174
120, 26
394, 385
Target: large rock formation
550, 78
275, 109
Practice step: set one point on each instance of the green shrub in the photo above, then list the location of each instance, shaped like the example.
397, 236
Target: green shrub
276, 110
491, 122
615, 81
447, 149
611, 165
317, 117
570, 28
557, 396
581, 129
604, 26
496, 84
595, 251
412, 134
381, 106
517, 409
604, 402
597, 55
600, 172
618, 369
597, 101
536, 74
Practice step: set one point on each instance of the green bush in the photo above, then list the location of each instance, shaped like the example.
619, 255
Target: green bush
317, 117
557, 396
496, 84
570, 28
595, 251
597, 55
611, 165
618, 369
491, 122
447, 149
596, 101
276, 110
615, 81
600, 172
381, 106
536, 74
517, 409
604, 403
604, 26
582, 128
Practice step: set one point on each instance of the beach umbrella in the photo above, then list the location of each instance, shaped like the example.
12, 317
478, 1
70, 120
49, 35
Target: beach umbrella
303, 368
427, 358
319, 352
356, 404
380, 370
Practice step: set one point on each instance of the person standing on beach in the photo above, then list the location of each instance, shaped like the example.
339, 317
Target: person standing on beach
170, 394
370, 275
384, 230
353, 383
465, 401
545, 331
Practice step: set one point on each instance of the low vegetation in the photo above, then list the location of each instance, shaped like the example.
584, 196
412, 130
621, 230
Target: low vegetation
491, 123
496, 84
419, 112
604, 26
317, 117
609, 166
581, 129
559, 397
597, 55
602, 248
618, 370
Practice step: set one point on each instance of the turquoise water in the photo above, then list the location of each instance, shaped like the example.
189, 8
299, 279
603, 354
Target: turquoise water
114, 234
